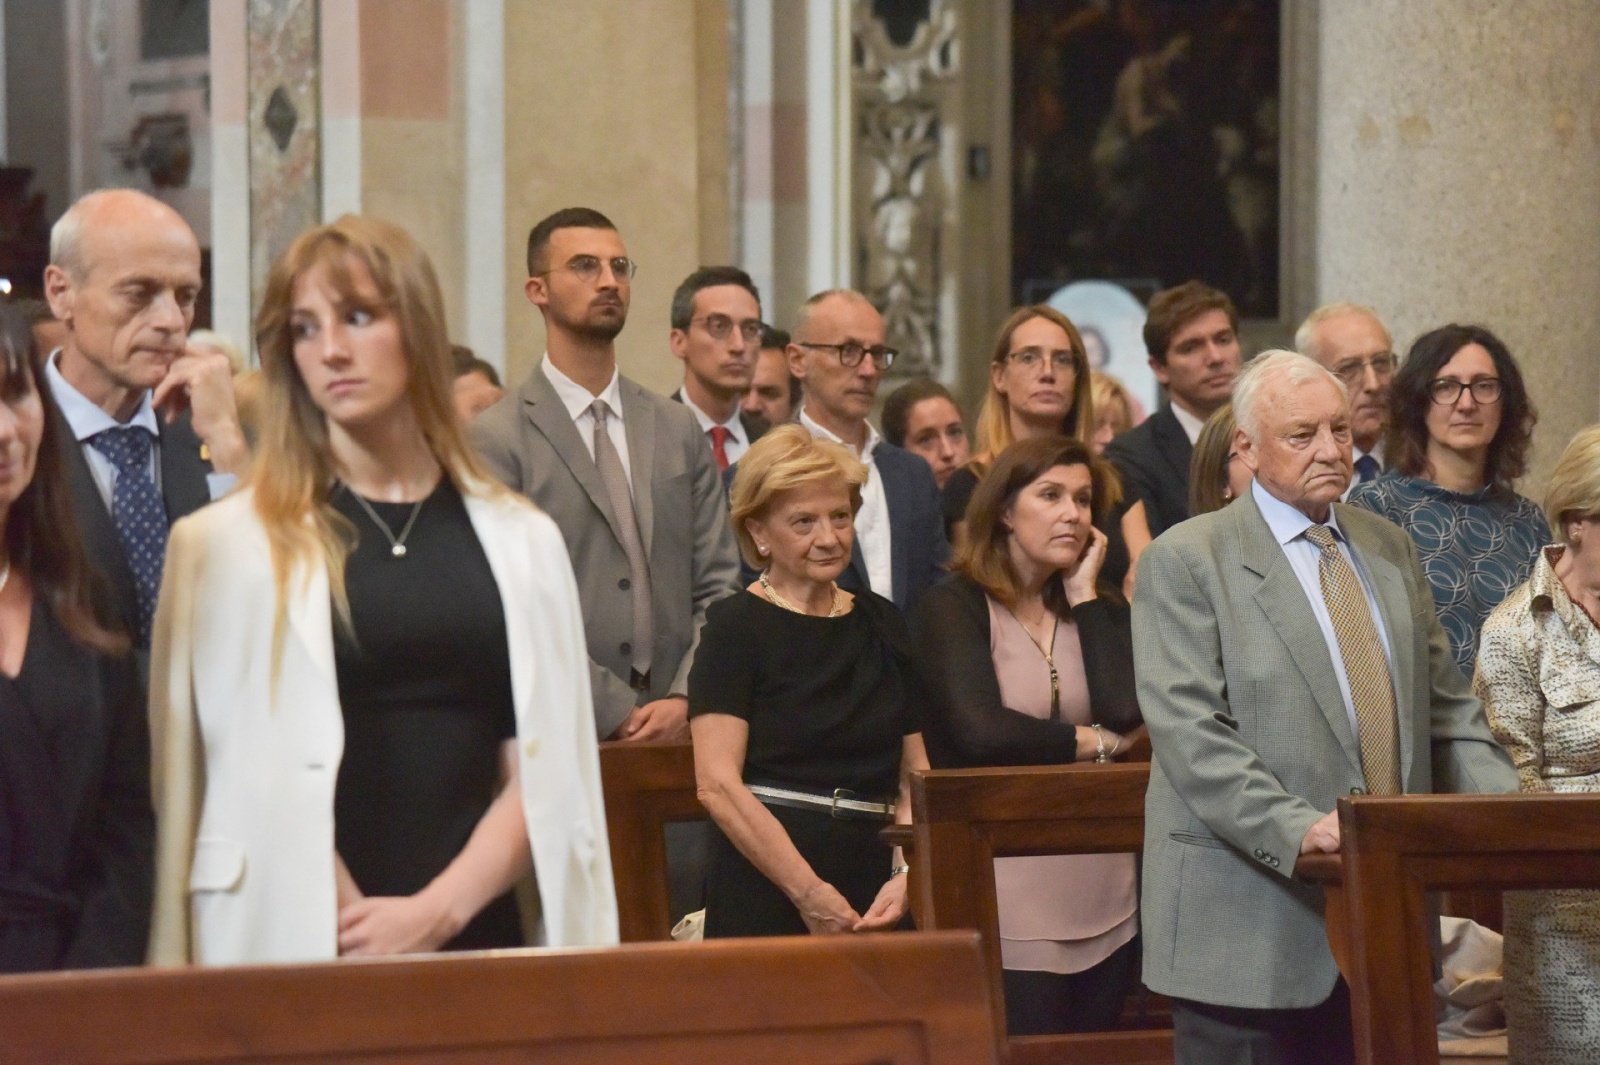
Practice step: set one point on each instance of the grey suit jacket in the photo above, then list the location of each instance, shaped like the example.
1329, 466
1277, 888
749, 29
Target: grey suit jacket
1253, 745
531, 443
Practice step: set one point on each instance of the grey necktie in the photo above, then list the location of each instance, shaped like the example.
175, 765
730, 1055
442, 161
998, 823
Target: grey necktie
620, 494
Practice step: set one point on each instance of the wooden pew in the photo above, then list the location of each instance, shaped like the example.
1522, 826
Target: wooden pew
1397, 849
645, 785
911, 999
965, 818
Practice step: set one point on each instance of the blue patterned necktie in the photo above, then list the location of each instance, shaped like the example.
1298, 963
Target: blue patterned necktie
1366, 469
139, 513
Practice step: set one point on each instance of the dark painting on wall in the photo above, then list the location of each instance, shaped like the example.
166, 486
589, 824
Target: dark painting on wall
1145, 135
173, 29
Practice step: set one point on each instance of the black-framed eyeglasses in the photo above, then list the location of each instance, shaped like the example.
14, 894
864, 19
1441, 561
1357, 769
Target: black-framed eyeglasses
1446, 391
721, 327
1353, 371
1031, 359
586, 268
850, 353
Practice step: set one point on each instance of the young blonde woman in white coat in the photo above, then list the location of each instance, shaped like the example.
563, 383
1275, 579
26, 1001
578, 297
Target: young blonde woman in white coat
369, 693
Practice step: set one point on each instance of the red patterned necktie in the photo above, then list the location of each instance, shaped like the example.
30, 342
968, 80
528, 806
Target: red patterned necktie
719, 444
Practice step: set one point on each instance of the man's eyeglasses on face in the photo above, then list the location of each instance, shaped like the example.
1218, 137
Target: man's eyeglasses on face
1446, 391
850, 353
586, 268
1354, 371
721, 327
1032, 358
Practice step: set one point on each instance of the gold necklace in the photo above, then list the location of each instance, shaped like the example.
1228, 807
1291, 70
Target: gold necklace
1049, 659
778, 600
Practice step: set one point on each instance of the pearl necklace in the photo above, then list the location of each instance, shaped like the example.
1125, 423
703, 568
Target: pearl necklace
778, 600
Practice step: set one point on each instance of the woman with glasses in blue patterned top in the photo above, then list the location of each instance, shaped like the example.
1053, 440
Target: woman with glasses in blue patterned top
1459, 429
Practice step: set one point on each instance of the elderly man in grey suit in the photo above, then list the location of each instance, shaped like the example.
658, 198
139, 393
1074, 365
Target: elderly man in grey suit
1287, 654
627, 475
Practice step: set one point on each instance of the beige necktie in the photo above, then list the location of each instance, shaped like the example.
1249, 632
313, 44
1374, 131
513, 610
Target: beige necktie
618, 491
1364, 664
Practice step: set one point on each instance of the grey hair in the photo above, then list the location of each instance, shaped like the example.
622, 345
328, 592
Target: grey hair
1305, 338
802, 317
66, 236
1296, 369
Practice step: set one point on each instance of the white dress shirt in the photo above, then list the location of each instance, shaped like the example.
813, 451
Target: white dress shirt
872, 520
86, 420
579, 402
1191, 424
736, 444
1288, 527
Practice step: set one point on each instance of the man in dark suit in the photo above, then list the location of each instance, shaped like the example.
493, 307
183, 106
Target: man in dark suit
838, 353
716, 333
157, 426
634, 487
1192, 335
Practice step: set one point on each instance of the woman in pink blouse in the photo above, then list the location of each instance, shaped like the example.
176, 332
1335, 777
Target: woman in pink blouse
1027, 659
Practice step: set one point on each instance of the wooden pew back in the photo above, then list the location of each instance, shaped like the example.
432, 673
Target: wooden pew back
645, 785
966, 818
1396, 850
909, 999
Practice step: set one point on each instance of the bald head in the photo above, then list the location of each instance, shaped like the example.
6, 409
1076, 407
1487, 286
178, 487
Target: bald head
123, 279
838, 397
824, 307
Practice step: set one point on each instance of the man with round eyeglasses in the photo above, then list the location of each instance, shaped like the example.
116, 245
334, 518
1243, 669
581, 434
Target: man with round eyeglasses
716, 334
839, 355
1352, 341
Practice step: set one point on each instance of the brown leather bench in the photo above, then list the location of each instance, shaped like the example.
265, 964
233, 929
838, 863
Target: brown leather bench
905, 999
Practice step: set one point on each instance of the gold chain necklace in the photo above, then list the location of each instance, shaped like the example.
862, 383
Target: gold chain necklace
1049, 659
778, 600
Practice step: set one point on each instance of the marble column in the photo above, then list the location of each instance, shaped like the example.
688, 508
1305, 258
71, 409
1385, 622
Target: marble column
1458, 179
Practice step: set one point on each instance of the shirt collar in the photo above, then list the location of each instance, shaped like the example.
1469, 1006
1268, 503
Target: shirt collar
1285, 521
1191, 425
86, 419
1546, 592
734, 425
827, 434
575, 397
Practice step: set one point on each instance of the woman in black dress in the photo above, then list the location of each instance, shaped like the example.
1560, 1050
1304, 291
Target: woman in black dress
801, 707
374, 644
76, 829
1040, 385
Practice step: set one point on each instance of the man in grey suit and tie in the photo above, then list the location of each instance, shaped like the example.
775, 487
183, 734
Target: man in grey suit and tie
1287, 654
625, 473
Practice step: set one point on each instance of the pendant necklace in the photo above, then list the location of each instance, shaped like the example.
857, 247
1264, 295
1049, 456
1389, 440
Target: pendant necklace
1049, 660
397, 544
778, 600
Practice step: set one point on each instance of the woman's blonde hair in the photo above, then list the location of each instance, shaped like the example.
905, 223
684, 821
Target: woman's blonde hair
993, 432
1574, 489
1111, 398
786, 458
293, 474
1208, 466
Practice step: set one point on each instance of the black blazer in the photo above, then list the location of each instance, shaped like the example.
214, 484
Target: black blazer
918, 546
965, 722
1153, 459
755, 426
183, 487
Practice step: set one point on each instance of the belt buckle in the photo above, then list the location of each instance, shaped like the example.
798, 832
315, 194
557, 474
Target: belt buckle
840, 793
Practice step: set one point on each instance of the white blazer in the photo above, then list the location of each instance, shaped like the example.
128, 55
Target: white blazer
246, 756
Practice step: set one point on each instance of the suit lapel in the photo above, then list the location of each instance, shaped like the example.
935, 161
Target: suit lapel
509, 568
639, 423
310, 610
550, 418
1173, 443
183, 471
1389, 588
1283, 599
899, 560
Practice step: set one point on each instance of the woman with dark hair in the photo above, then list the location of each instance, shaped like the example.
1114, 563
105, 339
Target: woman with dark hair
1460, 423
922, 417
1040, 385
1026, 658
76, 829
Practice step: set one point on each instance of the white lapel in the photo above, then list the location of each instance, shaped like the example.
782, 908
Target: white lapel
510, 569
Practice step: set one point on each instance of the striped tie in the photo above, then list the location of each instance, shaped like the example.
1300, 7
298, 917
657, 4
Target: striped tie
1364, 664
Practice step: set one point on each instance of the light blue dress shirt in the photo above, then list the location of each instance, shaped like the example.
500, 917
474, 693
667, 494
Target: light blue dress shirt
1288, 527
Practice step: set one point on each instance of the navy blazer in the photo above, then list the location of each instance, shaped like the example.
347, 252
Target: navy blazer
916, 529
1153, 459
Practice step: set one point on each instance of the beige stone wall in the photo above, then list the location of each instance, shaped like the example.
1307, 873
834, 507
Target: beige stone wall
603, 109
1459, 180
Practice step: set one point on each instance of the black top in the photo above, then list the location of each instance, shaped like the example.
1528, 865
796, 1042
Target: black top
968, 725
958, 493
426, 697
77, 834
828, 700
1153, 458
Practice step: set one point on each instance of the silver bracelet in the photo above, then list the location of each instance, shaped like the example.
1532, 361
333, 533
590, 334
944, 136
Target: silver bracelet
1100, 754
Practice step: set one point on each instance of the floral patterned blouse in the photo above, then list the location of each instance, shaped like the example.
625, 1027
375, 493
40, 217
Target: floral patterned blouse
1474, 548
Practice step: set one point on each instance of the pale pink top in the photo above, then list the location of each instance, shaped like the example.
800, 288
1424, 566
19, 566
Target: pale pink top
1058, 913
